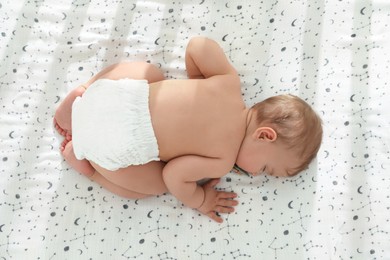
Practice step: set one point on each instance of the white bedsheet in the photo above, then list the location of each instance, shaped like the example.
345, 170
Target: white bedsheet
334, 54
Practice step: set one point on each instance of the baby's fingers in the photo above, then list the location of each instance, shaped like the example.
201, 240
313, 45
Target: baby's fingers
226, 195
227, 203
221, 209
213, 215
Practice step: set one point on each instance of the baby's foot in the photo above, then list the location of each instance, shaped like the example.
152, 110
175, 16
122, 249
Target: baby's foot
67, 139
82, 166
63, 117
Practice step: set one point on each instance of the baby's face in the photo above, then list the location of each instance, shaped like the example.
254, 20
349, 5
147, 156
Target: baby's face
256, 157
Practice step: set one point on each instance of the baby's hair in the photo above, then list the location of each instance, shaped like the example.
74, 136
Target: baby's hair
296, 124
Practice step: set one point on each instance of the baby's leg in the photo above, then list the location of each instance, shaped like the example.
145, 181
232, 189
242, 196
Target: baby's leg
63, 115
144, 179
131, 182
118, 190
82, 166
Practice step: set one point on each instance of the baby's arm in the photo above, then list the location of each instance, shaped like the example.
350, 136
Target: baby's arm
205, 58
180, 176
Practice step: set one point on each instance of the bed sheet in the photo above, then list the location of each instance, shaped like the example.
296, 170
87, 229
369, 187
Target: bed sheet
333, 54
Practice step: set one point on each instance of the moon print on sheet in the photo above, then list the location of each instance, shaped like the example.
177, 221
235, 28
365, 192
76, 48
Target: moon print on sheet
326, 62
326, 154
224, 37
293, 23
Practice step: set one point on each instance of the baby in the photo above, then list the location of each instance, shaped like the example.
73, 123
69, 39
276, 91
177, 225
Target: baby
138, 134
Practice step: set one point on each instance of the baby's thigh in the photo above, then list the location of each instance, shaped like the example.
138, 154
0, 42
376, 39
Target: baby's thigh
145, 179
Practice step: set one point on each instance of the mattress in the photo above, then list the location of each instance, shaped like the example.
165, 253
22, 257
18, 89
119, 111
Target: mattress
333, 54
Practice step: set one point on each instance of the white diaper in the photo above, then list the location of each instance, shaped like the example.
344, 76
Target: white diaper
111, 124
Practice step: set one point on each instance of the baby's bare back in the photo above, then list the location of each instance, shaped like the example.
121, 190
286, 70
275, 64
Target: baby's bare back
197, 117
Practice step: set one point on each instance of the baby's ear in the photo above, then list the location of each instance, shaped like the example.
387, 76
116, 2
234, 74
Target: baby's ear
265, 134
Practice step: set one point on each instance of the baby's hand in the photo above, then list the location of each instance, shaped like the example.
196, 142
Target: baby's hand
217, 201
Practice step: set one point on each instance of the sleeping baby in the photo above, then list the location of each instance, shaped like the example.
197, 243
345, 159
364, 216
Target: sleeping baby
138, 134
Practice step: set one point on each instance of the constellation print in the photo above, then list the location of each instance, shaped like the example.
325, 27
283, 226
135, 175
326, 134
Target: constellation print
309, 245
8, 243
83, 236
303, 58
87, 199
301, 218
157, 229
227, 226
131, 257
14, 206
275, 249
347, 232
203, 253
361, 76
368, 204
375, 230
231, 49
237, 254
299, 180
267, 64
366, 167
25, 176
165, 256
297, 36
236, 17
273, 5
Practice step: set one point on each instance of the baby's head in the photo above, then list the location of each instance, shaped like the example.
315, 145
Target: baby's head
283, 136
